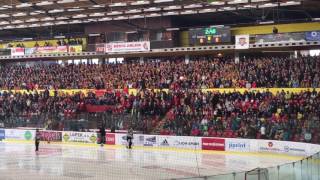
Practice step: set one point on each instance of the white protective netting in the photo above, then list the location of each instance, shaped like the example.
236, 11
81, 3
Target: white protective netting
257, 174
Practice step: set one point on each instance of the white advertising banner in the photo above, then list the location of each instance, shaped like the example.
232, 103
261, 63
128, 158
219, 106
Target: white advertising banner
270, 146
84, 137
17, 51
238, 145
284, 147
121, 139
295, 148
150, 140
128, 47
138, 139
17, 134
313, 148
242, 41
185, 142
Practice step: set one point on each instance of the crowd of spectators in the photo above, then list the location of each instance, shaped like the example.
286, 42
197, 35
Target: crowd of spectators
281, 116
180, 107
43, 107
194, 74
34, 104
284, 116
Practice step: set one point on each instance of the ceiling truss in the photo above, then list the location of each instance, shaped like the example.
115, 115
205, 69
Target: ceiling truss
39, 13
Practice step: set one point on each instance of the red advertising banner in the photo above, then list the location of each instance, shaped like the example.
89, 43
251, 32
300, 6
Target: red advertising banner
213, 144
51, 50
100, 48
51, 136
110, 139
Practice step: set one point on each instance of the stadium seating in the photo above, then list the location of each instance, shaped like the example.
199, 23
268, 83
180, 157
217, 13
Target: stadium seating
181, 109
204, 73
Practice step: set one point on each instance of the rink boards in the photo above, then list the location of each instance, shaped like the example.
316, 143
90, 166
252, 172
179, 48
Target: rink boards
160, 141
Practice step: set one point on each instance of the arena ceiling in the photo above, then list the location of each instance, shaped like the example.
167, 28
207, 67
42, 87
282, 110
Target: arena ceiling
19, 15
36, 13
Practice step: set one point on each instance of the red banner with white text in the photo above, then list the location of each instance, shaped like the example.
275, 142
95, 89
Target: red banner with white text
110, 139
217, 144
51, 50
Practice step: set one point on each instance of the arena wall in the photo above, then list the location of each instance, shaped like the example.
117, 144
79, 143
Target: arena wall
173, 142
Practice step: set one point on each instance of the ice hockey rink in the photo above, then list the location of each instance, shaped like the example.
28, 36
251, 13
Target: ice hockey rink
57, 161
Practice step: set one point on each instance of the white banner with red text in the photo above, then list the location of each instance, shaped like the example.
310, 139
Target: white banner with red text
127, 47
17, 51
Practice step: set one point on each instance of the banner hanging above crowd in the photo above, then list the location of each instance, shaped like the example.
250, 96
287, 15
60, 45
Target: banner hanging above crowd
242, 42
45, 50
51, 50
75, 49
279, 37
128, 47
17, 51
313, 36
100, 48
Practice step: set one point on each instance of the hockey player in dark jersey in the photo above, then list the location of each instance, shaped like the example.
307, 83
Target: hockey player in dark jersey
37, 140
102, 135
129, 138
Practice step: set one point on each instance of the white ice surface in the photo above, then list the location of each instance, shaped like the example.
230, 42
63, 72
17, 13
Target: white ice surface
67, 162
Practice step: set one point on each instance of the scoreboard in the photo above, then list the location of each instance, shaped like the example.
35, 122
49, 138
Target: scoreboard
209, 36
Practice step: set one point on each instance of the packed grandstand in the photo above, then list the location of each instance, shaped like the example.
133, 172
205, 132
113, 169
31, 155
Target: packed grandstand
165, 73
171, 96
186, 74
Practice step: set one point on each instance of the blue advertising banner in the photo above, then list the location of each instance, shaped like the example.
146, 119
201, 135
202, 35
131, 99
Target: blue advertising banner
2, 134
313, 36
